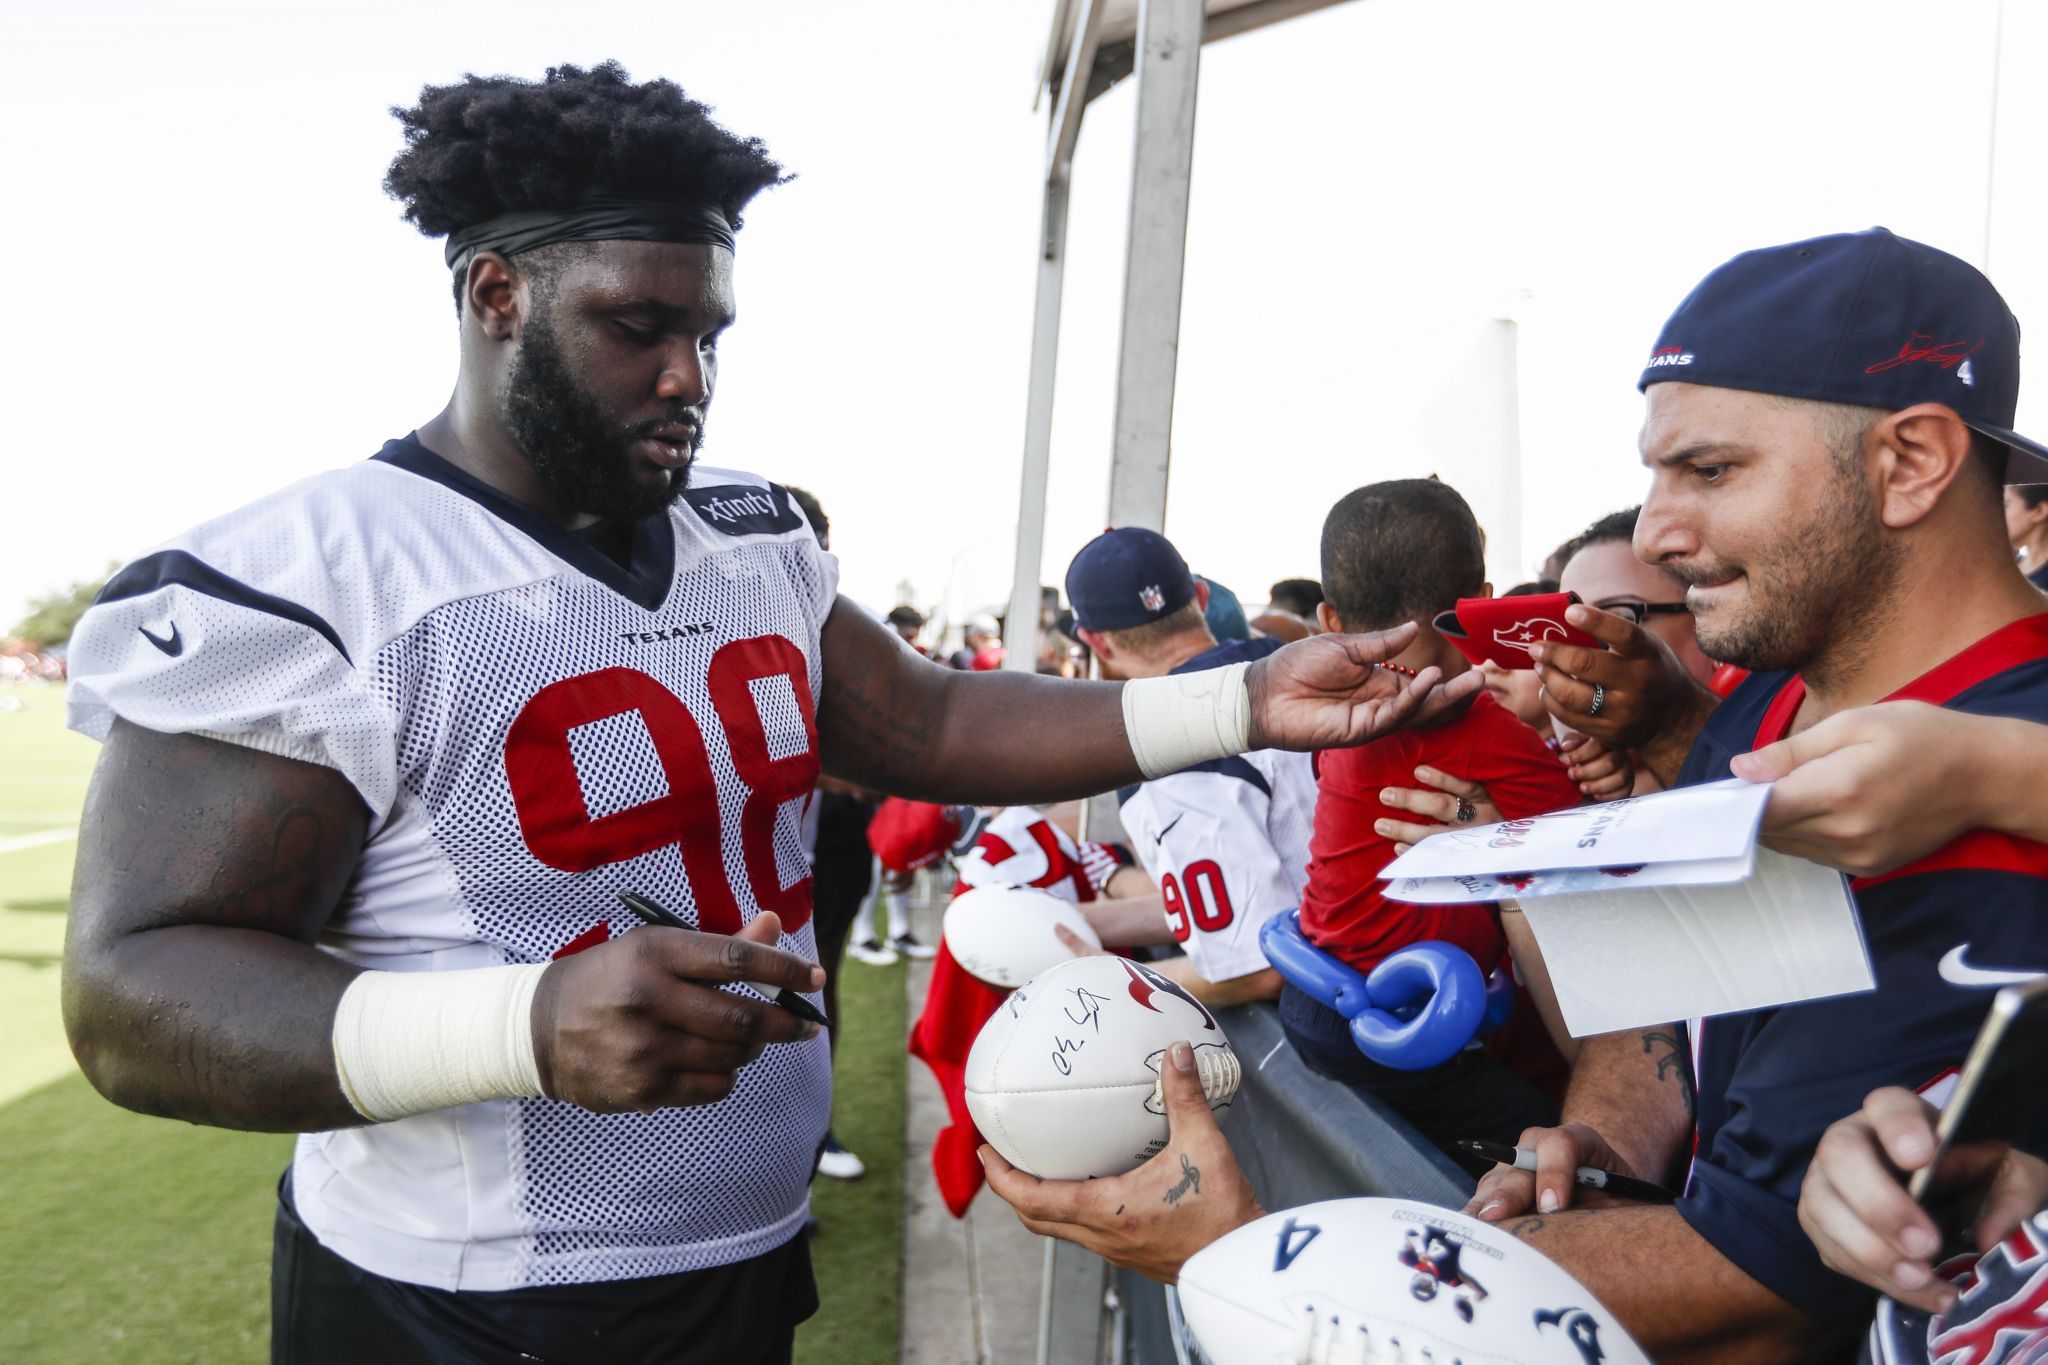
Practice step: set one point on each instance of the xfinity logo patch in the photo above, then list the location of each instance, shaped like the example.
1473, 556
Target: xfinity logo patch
1668, 355
740, 509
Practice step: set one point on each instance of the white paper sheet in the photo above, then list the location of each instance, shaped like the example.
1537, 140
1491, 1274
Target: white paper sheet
1648, 955
1556, 881
1713, 821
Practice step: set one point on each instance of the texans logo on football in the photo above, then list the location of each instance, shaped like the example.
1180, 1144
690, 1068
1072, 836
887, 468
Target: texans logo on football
1144, 985
1579, 1326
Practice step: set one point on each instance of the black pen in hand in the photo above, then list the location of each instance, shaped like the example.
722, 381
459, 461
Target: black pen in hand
781, 997
1592, 1177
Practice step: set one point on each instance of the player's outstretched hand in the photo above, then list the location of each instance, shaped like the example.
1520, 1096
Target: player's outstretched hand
638, 1023
1852, 792
1866, 1226
1441, 800
1152, 1219
1641, 685
1506, 1192
1329, 692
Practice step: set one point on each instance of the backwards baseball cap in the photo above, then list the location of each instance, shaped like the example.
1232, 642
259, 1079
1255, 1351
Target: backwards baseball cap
1866, 318
1127, 577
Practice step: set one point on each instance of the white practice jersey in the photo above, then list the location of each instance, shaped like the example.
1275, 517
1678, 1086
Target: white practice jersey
534, 729
1227, 843
1020, 847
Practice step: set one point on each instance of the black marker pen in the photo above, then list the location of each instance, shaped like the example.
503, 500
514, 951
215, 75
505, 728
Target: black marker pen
781, 997
1592, 1177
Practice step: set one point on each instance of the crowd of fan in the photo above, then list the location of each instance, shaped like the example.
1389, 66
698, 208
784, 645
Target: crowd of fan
1272, 834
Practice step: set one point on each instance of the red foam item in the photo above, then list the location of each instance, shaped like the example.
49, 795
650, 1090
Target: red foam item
1500, 630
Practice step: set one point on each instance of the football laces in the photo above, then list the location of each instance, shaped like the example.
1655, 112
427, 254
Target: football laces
1323, 1339
1219, 1071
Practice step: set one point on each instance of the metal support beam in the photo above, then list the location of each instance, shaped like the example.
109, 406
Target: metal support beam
1020, 626
1169, 59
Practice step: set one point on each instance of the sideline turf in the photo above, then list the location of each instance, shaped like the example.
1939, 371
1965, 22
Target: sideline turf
858, 1252
129, 1239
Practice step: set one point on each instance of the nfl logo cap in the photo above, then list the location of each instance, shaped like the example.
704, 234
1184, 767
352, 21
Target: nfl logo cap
1867, 318
1127, 577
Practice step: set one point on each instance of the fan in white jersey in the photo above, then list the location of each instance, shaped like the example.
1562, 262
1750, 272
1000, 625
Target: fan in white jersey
382, 750
1027, 846
1225, 842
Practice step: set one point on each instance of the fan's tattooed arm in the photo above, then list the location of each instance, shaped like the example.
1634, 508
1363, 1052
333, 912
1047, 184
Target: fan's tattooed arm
1674, 1066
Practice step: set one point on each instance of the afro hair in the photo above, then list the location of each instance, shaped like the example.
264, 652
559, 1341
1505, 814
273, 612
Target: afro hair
489, 145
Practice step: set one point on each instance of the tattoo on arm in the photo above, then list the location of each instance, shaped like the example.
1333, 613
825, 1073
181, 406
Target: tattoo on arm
1526, 1228
1190, 1181
1672, 1062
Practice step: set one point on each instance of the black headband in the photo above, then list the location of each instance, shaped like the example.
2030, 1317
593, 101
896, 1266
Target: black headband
594, 220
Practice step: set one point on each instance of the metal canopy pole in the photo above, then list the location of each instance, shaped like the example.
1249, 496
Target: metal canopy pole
1020, 627
1168, 61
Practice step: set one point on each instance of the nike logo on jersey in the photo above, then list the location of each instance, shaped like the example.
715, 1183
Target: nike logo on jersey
170, 644
1160, 837
1957, 972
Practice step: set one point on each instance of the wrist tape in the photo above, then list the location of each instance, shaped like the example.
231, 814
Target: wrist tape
408, 1042
1183, 719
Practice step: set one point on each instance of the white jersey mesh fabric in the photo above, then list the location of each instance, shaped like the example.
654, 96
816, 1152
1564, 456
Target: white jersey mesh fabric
530, 740
1227, 843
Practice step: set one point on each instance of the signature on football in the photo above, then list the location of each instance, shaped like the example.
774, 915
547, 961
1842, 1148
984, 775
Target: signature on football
1061, 1047
1089, 1006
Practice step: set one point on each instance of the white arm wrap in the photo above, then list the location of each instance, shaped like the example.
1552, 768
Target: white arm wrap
1183, 719
408, 1042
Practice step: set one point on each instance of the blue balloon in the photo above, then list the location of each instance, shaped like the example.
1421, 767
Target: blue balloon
1418, 1008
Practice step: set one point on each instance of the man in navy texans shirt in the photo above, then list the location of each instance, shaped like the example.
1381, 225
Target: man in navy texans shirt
1828, 429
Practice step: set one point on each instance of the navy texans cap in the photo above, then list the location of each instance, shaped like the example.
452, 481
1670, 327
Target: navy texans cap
1127, 577
1867, 318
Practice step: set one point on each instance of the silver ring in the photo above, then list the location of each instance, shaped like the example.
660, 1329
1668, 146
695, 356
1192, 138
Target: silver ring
1599, 700
1466, 813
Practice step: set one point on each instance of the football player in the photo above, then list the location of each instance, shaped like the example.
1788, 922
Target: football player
383, 750
1226, 842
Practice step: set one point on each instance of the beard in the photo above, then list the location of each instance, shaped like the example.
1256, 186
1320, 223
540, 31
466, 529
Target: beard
1826, 588
581, 454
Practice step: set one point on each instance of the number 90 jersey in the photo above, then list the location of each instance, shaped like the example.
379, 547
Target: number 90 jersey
535, 725
1226, 841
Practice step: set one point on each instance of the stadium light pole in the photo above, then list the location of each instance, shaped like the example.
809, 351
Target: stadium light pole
1020, 626
1168, 61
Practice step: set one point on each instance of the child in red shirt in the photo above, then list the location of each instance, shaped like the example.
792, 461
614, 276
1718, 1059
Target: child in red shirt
1394, 552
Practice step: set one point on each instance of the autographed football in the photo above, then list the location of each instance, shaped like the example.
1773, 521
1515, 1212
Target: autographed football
1063, 1079
1390, 1279
1003, 934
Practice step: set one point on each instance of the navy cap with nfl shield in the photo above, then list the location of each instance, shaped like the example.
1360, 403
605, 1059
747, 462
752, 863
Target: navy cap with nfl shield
1865, 318
1127, 577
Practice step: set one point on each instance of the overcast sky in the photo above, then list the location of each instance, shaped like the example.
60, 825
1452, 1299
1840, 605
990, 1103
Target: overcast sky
212, 296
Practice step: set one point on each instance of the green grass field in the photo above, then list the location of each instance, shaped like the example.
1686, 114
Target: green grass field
131, 1239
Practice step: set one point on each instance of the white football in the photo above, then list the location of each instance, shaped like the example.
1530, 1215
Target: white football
1063, 1079
1003, 934
1369, 1280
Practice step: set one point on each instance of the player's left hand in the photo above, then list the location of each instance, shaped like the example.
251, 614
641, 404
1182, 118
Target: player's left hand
1446, 801
1328, 691
1152, 1219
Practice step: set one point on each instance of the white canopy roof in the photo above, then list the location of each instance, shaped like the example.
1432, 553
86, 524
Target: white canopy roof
1226, 18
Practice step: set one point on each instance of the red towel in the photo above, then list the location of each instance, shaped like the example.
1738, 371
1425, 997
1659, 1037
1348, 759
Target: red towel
954, 1010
